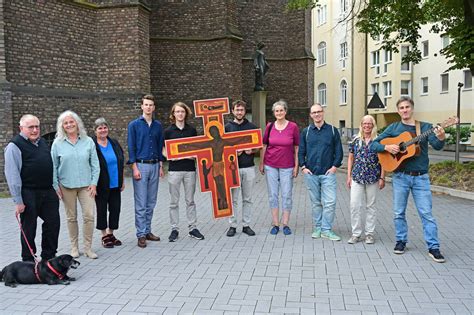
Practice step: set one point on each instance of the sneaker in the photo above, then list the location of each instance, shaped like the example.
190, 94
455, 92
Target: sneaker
330, 235
275, 229
286, 230
89, 253
436, 255
354, 239
399, 247
316, 233
369, 239
194, 233
231, 231
173, 236
74, 252
247, 230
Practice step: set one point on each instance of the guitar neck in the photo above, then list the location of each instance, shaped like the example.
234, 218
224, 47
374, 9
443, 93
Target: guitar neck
419, 138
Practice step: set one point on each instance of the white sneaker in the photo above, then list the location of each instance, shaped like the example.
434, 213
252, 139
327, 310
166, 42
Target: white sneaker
369, 239
354, 239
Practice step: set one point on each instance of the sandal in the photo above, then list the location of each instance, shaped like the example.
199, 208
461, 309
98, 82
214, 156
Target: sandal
115, 241
107, 241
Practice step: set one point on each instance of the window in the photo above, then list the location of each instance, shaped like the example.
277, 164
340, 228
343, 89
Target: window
444, 83
343, 98
424, 85
404, 51
388, 59
387, 91
444, 41
322, 94
425, 49
344, 4
467, 79
344, 54
322, 53
376, 62
405, 87
375, 88
322, 14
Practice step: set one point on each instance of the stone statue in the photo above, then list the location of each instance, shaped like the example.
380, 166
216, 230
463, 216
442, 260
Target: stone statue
261, 67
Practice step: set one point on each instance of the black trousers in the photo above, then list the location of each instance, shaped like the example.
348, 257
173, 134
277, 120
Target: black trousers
108, 199
42, 203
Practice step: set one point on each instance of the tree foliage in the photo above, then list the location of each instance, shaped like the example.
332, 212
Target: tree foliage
399, 21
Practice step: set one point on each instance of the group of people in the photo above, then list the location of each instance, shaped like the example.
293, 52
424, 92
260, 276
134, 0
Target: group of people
317, 150
91, 171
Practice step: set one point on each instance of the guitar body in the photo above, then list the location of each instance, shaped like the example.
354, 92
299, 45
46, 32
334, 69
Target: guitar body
390, 162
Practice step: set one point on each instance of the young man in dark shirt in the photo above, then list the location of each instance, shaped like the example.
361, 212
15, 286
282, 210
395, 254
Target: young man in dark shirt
182, 171
246, 171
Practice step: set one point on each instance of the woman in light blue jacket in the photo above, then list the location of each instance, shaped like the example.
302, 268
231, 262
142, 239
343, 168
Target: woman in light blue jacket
75, 175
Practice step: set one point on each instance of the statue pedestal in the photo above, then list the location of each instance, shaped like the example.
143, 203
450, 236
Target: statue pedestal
259, 102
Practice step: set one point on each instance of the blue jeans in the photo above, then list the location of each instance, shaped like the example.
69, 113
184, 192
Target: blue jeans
420, 190
280, 178
144, 193
322, 192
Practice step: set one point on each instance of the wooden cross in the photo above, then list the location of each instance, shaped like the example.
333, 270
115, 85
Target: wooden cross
216, 153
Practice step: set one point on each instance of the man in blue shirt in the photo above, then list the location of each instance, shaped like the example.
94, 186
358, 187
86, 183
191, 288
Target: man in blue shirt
319, 155
145, 142
412, 176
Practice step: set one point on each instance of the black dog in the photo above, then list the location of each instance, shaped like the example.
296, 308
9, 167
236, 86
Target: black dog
53, 271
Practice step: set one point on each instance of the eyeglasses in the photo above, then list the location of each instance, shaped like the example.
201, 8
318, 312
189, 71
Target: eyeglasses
33, 127
317, 112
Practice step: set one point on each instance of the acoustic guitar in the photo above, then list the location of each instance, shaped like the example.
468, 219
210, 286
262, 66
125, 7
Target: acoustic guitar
408, 146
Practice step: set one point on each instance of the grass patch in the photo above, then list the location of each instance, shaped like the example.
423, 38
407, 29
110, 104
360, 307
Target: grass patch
453, 175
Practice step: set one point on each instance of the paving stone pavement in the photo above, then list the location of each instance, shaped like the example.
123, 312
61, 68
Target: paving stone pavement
263, 274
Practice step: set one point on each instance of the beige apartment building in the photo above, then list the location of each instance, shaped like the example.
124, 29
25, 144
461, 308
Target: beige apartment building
350, 68
340, 65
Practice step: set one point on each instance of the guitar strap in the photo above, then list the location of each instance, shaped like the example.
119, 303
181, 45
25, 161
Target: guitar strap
418, 132
418, 127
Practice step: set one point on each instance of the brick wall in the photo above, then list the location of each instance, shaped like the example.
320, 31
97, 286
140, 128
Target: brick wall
287, 37
195, 52
123, 60
98, 57
90, 58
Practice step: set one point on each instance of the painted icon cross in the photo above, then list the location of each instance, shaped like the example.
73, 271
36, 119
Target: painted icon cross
216, 153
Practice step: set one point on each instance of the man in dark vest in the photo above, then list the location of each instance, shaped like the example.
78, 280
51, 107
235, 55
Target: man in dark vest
29, 174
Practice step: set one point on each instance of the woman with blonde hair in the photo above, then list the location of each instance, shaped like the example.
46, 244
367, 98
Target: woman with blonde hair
364, 177
75, 175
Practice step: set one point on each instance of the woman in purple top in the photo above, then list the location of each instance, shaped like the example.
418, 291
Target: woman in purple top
279, 162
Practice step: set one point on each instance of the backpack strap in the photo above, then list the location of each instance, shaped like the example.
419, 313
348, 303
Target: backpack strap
267, 133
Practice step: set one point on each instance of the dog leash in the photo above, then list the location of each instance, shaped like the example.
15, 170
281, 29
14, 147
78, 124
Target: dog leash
56, 273
24, 237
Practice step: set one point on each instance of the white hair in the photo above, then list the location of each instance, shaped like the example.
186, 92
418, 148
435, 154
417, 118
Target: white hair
61, 133
26, 117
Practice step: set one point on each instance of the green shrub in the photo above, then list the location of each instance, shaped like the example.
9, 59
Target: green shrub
464, 134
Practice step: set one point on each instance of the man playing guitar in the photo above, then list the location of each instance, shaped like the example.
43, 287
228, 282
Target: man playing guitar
412, 175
